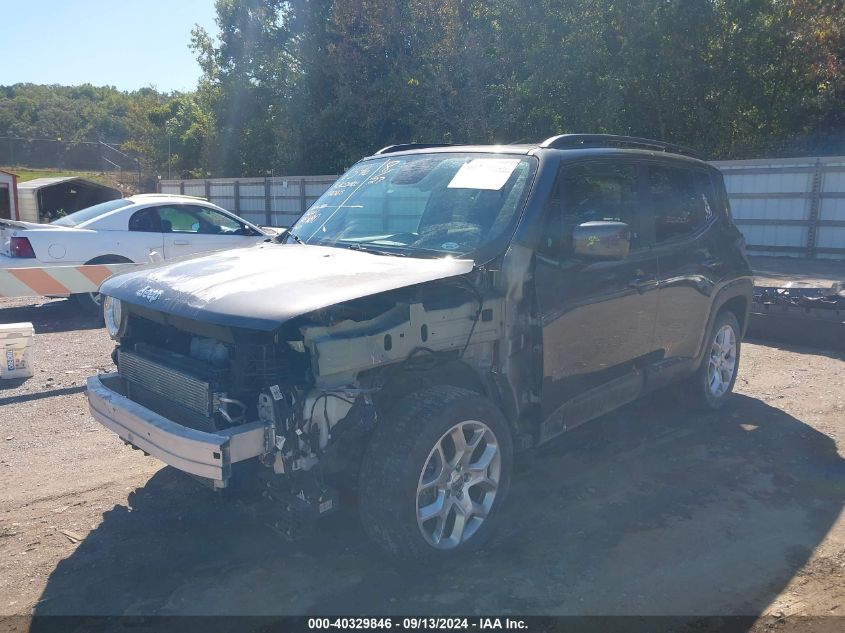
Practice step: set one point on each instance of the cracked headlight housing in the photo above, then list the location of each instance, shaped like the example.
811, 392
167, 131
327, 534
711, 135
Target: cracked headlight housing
114, 317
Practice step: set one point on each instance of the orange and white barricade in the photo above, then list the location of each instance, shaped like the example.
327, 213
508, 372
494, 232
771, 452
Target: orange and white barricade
56, 281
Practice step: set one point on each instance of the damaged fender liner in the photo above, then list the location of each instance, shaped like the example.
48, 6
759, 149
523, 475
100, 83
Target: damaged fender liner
343, 349
208, 455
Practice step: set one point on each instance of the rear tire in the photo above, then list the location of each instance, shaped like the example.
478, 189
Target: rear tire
425, 492
91, 303
710, 387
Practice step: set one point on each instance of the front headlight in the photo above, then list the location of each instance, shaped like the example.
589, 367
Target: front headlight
113, 316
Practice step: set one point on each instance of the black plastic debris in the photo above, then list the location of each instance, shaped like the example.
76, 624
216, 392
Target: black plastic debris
801, 314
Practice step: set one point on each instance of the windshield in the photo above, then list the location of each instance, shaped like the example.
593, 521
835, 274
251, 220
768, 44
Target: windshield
418, 205
91, 212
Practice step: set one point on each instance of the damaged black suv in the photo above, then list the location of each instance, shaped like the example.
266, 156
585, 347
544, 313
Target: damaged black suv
437, 309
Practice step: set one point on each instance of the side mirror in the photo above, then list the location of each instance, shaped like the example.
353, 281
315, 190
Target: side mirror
602, 240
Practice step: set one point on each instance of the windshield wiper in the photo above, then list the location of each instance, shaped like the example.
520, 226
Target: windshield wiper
357, 246
295, 237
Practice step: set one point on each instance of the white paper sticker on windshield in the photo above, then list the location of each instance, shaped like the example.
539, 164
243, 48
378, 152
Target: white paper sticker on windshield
484, 173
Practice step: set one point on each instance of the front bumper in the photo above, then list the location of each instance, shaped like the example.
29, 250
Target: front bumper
207, 455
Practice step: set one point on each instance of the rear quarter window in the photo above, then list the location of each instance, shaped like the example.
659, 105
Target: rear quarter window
92, 213
683, 201
720, 196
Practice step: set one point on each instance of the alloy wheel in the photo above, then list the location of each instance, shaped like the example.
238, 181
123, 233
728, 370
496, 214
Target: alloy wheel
458, 484
722, 361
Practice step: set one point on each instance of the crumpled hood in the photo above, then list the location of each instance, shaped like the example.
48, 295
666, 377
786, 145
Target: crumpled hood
263, 286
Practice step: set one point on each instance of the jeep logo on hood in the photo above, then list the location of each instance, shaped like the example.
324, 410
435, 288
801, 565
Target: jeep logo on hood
148, 293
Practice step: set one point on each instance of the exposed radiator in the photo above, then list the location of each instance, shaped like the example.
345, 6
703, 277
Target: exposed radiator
172, 384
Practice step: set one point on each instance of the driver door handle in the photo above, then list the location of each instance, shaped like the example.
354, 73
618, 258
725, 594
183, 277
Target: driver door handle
181, 242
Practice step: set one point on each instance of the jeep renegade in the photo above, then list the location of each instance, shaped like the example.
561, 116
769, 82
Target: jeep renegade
436, 310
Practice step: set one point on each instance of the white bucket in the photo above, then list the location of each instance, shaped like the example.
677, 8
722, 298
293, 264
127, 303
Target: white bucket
16, 358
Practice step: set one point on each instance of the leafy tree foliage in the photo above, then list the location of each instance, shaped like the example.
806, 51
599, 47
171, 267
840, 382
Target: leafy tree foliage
64, 124
310, 86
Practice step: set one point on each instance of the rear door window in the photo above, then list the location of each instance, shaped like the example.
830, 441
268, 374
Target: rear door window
682, 200
85, 215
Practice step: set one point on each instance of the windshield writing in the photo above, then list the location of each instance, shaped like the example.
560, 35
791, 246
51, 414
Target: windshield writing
450, 204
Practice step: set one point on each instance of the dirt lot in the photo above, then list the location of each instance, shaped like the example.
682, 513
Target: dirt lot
650, 510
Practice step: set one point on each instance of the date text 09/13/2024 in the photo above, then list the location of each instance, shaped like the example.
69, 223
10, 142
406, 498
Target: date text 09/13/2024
411, 623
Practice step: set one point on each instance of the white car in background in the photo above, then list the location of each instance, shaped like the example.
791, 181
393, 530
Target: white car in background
139, 229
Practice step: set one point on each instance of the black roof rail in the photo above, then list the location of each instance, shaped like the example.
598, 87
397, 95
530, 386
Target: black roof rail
402, 147
575, 141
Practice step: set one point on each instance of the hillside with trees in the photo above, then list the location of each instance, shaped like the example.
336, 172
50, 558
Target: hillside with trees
46, 126
310, 86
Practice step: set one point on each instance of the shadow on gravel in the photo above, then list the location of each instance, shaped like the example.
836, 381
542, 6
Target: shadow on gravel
62, 315
646, 511
29, 397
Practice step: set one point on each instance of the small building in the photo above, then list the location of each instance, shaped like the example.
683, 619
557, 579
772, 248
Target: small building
45, 199
8, 196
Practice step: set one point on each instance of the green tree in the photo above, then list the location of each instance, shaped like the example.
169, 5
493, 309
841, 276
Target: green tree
248, 78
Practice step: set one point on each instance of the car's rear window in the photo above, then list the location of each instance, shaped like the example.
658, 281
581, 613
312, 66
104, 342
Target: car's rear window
90, 213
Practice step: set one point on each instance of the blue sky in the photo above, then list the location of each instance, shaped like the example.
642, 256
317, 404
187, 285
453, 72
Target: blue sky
124, 43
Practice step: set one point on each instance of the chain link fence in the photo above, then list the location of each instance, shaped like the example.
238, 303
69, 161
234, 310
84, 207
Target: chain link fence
94, 156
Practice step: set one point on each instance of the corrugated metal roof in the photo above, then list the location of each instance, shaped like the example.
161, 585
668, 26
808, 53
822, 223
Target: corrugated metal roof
29, 193
40, 183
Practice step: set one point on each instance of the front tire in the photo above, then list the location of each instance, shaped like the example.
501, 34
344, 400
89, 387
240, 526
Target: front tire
712, 384
435, 477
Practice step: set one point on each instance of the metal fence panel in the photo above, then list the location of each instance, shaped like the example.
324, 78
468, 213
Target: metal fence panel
251, 204
276, 201
834, 181
769, 209
226, 203
789, 206
780, 236
222, 189
832, 209
765, 183
831, 237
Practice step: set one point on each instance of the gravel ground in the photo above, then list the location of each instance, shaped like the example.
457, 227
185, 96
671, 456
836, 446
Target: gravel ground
649, 510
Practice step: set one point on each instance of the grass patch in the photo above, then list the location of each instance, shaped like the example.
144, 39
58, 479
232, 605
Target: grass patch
25, 174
